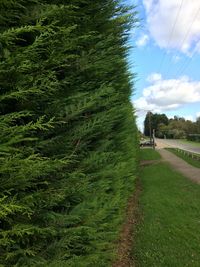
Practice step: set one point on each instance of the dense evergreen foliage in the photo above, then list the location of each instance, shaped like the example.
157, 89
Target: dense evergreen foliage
68, 137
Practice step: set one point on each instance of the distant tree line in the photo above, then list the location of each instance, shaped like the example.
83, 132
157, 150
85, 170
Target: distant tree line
177, 127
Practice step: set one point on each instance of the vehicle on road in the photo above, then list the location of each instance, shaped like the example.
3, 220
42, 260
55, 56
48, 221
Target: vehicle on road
147, 143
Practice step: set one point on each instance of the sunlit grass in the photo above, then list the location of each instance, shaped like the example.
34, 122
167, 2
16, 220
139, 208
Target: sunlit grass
149, 154
168, 230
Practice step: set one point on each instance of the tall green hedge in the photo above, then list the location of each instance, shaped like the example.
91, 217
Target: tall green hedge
68, 140
193, 137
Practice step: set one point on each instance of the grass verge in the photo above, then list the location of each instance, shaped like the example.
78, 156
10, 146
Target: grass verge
169, 210
190, 142
191, 161
149, 154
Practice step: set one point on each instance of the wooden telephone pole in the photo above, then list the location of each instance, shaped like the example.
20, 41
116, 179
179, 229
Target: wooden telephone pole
153, 138
150, 136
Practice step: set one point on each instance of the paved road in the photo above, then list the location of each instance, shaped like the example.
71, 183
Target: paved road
177, 143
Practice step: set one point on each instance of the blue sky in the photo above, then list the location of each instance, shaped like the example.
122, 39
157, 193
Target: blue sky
166, 58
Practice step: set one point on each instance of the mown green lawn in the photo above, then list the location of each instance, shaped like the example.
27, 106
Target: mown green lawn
168, 229
190, 142
149, 154
191, 161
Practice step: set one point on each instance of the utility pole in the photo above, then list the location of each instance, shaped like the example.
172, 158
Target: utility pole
153, 138
149, 113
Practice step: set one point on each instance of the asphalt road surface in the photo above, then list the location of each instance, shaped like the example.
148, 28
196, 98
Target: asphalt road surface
161, 143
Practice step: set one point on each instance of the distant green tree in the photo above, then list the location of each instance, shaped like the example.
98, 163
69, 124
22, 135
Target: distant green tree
194, 133
68, 139
177, 127
148, 124
197, 124
152, 121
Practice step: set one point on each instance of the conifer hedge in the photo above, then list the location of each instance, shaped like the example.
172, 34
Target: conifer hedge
68, 140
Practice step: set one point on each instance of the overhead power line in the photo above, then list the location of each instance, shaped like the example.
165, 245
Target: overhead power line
183, 41
171, 33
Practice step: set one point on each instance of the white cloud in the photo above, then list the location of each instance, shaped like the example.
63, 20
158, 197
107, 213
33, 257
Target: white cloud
198, 115
189, 117
143, 40
154, 77
161, 16
164, 95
